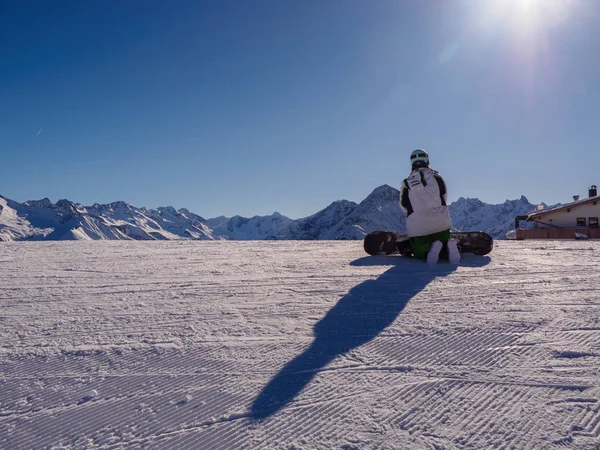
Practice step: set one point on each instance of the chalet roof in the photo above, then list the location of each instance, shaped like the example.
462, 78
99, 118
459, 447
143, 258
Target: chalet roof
544, 212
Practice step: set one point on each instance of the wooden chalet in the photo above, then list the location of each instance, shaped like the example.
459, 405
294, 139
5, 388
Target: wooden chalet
576, 220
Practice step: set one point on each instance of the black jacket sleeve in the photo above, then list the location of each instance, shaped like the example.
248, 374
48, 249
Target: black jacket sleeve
442, 186
405, 200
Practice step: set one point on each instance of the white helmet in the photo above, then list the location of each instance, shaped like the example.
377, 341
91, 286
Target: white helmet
419, 158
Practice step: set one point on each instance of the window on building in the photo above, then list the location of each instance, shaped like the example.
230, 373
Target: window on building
581, 222
593, 222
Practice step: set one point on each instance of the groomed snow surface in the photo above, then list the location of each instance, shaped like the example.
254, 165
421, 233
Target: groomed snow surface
297, 345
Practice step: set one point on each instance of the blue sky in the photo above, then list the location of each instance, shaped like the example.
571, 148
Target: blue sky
249, 107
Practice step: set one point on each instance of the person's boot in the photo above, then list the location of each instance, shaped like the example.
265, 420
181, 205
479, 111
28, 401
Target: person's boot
453, 253
434, 252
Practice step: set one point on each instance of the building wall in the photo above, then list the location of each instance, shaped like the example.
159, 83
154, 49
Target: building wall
568, 219
556, 233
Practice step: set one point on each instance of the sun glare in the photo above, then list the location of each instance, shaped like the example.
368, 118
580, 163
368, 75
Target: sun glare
524, 32
528, 15
543, 13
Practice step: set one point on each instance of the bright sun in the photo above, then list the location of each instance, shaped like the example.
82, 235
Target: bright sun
547, 12
529, 15
526, 31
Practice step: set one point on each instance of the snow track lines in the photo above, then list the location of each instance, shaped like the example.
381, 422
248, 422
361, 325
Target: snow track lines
477, 349
188, 345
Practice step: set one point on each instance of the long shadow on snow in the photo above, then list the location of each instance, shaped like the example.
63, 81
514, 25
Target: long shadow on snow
364, 312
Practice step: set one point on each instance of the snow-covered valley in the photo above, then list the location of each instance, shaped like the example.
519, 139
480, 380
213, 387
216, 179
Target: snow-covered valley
297, 345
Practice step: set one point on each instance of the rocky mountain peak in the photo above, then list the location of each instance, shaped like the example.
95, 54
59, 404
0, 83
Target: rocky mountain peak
43, 203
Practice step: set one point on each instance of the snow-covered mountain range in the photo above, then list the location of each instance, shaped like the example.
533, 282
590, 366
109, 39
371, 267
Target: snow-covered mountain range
65, 220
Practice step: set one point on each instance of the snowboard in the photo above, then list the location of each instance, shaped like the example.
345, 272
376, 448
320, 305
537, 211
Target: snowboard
393, 242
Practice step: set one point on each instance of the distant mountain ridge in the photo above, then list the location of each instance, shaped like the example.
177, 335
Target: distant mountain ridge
342, 219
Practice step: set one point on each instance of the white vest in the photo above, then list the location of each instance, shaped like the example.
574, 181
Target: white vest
429, 215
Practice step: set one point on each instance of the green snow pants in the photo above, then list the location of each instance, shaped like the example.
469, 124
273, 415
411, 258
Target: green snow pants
420, 244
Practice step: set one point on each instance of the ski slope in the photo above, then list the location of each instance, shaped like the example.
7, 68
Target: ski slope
297, 345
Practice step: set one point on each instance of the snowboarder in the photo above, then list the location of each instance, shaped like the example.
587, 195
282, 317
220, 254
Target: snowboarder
423, 198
